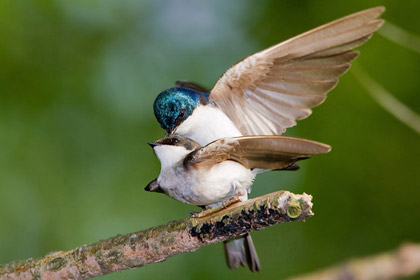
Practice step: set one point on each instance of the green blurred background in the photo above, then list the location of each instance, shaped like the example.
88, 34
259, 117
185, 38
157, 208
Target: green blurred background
77, 83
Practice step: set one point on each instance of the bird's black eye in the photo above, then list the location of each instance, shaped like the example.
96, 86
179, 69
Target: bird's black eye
174, 141
170, 141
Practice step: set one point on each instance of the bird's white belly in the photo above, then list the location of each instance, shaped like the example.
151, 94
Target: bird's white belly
207, 124
210, 186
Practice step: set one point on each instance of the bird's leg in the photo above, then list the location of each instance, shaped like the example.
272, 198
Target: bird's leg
195, 214
220, 206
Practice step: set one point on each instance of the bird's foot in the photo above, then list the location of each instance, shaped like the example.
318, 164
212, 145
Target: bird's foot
233, 200
197, 214
225, 204
194, 213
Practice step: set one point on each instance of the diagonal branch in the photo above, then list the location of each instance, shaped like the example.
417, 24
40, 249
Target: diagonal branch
397, 264
156, 244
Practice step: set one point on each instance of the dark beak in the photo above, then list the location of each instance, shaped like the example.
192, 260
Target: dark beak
170, 130
153, 144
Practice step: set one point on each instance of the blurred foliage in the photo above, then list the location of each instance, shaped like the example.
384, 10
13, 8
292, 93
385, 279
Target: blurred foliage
77, 83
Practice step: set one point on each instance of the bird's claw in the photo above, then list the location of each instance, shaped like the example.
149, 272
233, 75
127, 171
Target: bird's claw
194, 213
225, 204
228, 202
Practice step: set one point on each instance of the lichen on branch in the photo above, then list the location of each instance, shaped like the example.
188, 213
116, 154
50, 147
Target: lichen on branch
158, 243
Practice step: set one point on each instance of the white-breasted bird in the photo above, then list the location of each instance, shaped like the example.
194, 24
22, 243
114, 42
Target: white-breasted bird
225, 168
267, 92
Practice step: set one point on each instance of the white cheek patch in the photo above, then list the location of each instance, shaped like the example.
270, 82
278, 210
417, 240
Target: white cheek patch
170, 155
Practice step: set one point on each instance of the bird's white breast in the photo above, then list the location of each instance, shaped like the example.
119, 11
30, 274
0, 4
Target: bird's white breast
200, 186
206, 124
221, 182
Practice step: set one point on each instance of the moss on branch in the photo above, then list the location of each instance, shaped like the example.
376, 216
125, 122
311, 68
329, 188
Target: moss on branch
158, 243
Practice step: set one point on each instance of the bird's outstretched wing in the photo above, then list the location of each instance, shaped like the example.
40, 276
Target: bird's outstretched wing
267, 92
265, 152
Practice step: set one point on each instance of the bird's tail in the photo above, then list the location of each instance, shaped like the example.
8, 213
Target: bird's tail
241, 252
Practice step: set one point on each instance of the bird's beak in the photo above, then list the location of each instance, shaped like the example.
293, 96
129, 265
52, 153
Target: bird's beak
171, 130
153, 144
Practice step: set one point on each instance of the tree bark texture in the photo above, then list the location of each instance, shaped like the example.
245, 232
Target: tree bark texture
158, 243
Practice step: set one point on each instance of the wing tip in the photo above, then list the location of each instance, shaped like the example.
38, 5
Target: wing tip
327, 148
377, 23
314, 147
379, 9
380, 22
368, 19
373, 12
318, 148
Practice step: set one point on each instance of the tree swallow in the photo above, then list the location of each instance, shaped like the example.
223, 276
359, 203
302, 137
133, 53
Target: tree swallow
225, 168
263, 94
267, 92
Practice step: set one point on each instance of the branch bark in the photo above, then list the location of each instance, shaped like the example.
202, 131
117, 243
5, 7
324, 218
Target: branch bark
156, 244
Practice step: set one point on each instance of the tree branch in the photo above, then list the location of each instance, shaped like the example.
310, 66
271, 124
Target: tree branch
159, 243
403, 262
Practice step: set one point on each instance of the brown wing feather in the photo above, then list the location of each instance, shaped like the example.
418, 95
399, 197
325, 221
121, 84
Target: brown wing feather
267, 92
265, 152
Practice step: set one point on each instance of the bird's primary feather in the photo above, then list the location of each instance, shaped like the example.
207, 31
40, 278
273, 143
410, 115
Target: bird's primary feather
267, 92
264, 152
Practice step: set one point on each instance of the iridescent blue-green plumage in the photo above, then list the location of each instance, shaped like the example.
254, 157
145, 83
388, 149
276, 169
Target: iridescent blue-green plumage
174, 105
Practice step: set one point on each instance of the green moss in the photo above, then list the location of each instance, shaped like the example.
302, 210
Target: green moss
36, 274
192, 222
168, 240
119, 240
116, 241
153, 232
114, 256
177, 226
133, 238
17, 264
100, 259
56, 264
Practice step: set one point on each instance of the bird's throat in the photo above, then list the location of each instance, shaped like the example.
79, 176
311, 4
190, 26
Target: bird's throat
206, 124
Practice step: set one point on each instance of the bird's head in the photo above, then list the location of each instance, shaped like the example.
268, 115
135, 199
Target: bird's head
175, 105
175, 140
173, 148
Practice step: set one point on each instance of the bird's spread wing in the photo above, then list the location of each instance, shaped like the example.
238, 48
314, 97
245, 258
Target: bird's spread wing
265, 152
267, 92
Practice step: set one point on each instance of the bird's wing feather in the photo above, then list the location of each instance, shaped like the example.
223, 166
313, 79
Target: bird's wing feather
267, 92
153, 186
191, 85
265, 152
